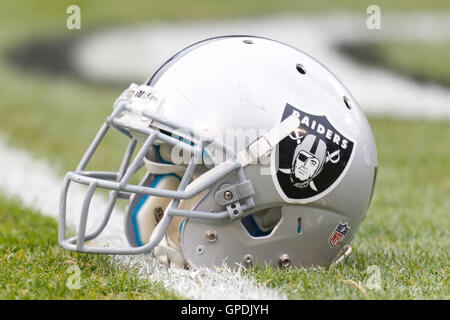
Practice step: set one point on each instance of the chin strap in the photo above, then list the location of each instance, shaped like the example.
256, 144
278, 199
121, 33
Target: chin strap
264, 144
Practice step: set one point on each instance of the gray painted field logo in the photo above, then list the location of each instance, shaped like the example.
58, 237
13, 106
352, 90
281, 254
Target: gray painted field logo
311, 160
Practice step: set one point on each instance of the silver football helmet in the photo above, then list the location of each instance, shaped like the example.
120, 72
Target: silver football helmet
254, 153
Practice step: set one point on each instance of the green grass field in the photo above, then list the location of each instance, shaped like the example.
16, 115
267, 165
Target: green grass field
33, 266
405, 233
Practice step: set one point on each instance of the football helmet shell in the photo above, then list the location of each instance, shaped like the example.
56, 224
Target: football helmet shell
292, 192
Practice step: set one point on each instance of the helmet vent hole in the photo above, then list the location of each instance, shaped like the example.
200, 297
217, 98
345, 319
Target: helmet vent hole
300, 68
347, 103
299, 226
247, 41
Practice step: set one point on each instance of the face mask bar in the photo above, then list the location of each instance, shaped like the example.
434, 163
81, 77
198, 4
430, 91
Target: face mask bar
118, 183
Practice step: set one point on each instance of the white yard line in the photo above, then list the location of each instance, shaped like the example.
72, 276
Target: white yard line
37, 186
133, 53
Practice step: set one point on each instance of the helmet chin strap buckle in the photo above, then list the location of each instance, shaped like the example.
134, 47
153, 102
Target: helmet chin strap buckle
264, 144
140, 98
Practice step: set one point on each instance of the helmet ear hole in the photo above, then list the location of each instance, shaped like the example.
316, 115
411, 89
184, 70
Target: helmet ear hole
261, 224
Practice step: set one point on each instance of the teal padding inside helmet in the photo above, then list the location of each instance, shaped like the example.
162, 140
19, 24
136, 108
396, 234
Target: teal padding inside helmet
144, 198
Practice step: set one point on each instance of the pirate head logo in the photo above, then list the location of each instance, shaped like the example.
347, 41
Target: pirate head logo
312, 159
308, 160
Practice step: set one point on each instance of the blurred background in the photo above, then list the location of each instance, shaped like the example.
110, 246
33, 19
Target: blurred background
58, 83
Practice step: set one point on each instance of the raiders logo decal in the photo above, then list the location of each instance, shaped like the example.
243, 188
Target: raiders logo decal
312, 159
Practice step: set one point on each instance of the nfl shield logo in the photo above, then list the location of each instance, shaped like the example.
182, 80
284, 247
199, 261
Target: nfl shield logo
312, 160
338, 234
